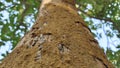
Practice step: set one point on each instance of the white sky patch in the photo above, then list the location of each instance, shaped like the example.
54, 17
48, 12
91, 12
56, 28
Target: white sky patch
5, 48
5, 14
89, 6
105, 41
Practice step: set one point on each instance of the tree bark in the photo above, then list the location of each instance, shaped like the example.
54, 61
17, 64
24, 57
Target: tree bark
58, 39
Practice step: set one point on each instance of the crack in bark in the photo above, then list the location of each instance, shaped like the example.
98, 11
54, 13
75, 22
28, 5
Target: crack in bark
96, 58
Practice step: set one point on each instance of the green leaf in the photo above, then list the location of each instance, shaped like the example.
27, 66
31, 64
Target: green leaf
2, 43
9, 0
118, 46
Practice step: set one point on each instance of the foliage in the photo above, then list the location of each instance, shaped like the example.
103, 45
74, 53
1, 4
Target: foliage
17, 16
114, 57
14, 23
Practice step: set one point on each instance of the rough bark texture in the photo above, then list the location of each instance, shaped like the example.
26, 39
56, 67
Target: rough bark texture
58, 39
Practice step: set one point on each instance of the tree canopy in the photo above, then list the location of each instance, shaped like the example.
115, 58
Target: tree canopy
102, 17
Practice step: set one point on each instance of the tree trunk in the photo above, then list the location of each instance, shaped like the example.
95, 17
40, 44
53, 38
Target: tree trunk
58, 39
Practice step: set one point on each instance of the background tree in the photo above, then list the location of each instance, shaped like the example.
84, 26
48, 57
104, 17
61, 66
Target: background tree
18, 15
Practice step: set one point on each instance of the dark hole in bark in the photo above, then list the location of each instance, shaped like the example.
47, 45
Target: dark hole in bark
40, 47
47, 33
77, 22
54, 5
37, 28
18, 52
33, 28
33, 35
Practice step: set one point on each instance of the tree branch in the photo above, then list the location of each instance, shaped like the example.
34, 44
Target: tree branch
106, 19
